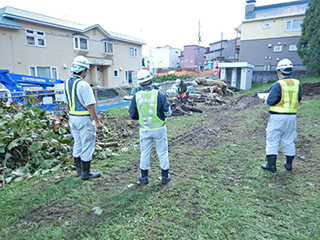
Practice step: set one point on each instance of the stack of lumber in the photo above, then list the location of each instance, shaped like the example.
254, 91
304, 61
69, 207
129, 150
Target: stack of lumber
210, 91
218, 86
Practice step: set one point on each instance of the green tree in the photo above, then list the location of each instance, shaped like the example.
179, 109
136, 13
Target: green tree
309, 41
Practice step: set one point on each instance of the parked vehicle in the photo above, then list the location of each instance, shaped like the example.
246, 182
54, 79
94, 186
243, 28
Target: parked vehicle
47, 90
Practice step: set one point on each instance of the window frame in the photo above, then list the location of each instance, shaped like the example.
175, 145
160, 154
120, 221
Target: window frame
36, 36
266, 25
104, 46
288, 29
115, 71
293, 48
280, 49
133, 52
52, 69
77, 41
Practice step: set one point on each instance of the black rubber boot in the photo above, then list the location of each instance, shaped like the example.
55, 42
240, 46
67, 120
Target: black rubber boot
165, 176
271, 165
86, 173
288, 163
143, 178
77, 162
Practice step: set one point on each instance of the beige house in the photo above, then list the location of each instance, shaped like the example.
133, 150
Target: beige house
43, 46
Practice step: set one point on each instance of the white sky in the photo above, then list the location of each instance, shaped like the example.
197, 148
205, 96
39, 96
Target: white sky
158, 23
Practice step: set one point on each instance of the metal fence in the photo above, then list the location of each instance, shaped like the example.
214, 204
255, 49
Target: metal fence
53, 99
114, 97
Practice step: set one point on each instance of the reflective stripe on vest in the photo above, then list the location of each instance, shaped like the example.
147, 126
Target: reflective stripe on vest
75, 107
147, 102
289, 97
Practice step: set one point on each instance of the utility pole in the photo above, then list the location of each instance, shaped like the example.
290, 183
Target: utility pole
221, 47
199, 40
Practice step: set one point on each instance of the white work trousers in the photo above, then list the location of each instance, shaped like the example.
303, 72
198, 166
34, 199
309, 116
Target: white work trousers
281, 128
161, 142
83, 130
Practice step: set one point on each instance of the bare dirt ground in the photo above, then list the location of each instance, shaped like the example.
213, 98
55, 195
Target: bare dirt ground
311, 91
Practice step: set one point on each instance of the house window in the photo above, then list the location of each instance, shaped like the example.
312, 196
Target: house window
46, 72
107, 47
266, 25
294, 25
116, 73
133, 52
293, 48
277, 49
81, 42
35, 38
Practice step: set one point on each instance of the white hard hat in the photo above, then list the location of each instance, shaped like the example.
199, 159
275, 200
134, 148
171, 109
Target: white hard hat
178, 81
79, 64
285, 66
144, 76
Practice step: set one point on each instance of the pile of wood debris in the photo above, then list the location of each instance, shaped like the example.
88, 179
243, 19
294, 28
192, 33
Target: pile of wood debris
210, 91
178, 108
107, 137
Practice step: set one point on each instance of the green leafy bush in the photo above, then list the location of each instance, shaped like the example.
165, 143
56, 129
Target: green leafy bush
29, 141
172, 77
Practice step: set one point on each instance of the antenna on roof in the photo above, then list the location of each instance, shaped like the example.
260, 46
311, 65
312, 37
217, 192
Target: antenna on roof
250, 1
199, 40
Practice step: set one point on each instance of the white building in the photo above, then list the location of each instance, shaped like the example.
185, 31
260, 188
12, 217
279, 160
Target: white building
163, 57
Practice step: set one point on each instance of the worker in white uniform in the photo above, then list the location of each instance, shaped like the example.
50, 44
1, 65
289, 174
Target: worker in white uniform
83, 117
283, 99
150, 106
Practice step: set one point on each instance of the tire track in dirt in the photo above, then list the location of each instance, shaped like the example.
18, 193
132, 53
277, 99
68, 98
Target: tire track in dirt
218, 122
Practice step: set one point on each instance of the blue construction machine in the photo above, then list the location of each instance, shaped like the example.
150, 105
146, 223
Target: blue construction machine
48, 92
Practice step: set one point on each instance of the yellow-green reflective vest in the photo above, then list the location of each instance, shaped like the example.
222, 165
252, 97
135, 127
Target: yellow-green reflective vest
289, 98
147, 102
75, 107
